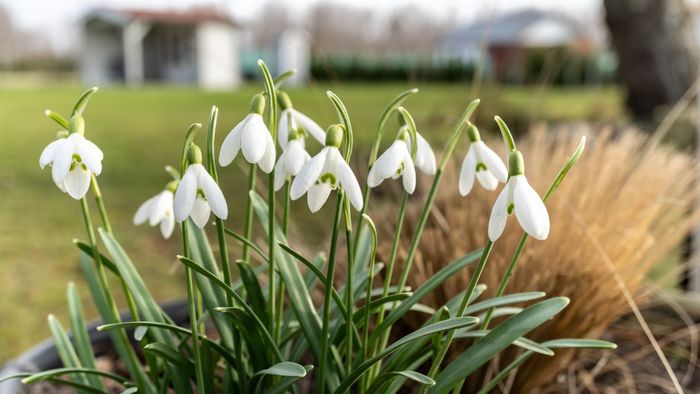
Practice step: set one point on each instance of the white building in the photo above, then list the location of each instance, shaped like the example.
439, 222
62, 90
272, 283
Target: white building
198, 46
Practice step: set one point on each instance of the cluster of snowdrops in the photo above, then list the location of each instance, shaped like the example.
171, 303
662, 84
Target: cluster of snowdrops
252, 328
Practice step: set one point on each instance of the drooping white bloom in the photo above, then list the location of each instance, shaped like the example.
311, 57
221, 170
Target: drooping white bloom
291, 161
73, 160
393, 163
425, 157
519, 197
325, 172
197, 196
253, 138
483, 164
158, 210
298, 119
290, 120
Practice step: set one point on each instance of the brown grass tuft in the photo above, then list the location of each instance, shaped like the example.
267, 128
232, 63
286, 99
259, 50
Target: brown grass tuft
635, 204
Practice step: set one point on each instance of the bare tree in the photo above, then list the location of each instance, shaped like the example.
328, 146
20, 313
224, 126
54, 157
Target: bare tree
656, 51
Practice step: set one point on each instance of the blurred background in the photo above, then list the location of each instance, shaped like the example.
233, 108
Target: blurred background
623, 72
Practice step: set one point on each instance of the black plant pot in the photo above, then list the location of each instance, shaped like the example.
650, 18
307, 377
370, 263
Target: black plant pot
44, 356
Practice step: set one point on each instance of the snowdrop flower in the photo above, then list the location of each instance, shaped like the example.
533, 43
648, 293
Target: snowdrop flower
425, 157
481, 163
252, 137
520, 197
393, 163
325, 172
292, 159
159, 210
297, 118
197, 194
73, 160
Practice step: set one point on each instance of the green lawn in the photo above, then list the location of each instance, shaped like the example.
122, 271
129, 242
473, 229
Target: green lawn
140, 132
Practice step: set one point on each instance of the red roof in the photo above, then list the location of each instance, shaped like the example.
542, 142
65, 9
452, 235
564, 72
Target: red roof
189, 16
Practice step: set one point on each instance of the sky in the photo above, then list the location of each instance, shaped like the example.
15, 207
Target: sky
58, 20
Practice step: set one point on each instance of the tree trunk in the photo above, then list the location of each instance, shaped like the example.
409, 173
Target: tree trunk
656, 51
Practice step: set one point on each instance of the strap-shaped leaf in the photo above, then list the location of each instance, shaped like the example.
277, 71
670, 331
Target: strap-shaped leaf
65, 349
172, 356
385, 378
81, 340
553, 344
445, 325
497, 340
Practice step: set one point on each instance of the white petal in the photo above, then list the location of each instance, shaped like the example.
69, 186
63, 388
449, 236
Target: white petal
144, 211
200, 212
167, 225
409, 173
499, 214
468, 172
185, 195
347, 179
49, 152
61, 161
90, 154
231, 144
283, 128
487, 180
77, 182
317, 196
212, 192
253, 142
493, 163
310, 126
386, 165
529, 209
425, 158
308, 174
267, 163
158, 209
296, 157
280, 173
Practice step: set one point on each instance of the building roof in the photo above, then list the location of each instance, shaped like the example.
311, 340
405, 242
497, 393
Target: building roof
531, 28
123, 16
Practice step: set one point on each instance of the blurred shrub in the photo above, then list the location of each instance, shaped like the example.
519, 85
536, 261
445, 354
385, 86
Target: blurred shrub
353, 68
634, 202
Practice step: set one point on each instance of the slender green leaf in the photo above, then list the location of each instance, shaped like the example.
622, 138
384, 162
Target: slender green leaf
58, 381
44, 375
83, 101
81, 338
445, 325
67, 353
285, 368
520, 342
503, 300
172, 356
555, 343
385, 378
497, 340
253, 290
424, 289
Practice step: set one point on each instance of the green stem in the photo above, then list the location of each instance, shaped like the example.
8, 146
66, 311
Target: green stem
192, 306
280, 293
132, 361
506, 277
248, 224
330, 273
349, 299
131, 304
388, 277
473, 282
365, 338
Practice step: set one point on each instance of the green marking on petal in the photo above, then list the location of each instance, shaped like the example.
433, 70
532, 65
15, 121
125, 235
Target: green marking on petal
511, 208
481, 167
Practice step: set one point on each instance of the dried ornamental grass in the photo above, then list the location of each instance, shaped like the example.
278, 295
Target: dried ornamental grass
634, 202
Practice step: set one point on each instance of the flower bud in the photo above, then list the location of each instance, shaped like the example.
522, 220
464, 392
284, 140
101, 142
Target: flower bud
284, 101
473, 133
403, 134
516, 165
257, 104
77, 125
194, 154
334, 135
172, 186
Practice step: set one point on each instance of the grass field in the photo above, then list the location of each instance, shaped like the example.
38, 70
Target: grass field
140, 132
